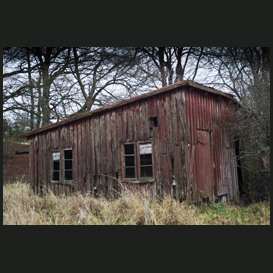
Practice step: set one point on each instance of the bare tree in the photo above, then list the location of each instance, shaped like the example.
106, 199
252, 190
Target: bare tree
28, 76
98, 71
245, 72
167, 65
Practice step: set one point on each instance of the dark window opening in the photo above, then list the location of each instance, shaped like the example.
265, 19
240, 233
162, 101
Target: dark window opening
146, 171
130, 172
56, 175
68, 175
146, 159
153, 122
68, 165
129, 149
129, 160
68, 154
56, 165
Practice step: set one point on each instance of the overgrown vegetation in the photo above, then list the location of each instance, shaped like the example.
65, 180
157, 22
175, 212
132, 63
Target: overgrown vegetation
22, 207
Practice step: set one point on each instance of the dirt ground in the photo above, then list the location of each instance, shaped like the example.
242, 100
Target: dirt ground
15, 166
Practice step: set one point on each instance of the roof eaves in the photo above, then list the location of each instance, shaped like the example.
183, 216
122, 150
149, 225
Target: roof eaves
123, 102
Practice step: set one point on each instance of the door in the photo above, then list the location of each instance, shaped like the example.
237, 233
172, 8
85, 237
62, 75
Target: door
204, 160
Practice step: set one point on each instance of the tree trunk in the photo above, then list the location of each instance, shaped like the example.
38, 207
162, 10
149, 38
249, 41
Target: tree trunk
45, 96
31, 93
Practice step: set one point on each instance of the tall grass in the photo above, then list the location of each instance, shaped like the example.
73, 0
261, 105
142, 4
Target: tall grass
22, 207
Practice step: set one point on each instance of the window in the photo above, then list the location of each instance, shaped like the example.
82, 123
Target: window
129, 160
62, 166
138, 163
145, 160
56, 166
68, 169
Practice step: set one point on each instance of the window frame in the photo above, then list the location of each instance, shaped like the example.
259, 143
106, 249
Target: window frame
138, 155
61, 166
123, 161
137, 178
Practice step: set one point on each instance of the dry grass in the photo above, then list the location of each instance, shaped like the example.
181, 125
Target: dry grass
22, 207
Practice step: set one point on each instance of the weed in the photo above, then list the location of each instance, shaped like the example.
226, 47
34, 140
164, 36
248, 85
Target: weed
22, 207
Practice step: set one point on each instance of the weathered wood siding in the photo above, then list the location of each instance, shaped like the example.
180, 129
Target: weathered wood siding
186, 117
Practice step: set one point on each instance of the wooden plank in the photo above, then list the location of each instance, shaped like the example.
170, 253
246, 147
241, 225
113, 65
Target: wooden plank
108, 144
190, 180
31, 162
141, 129
44, 159
181, 122
178, 171
84, 153
136, 122
162, 121
124, 124
75, 155
67, 136
88, 154
155, 156
88, 185
102, 185
39, 162
102, 144
62, 137
36, 163
114, 146
92, 147
71, 136
48, 158
205, 164
97, 146
154, 106
145, 120
56, 189
174, 119
168, 125
79, 155
87, 146
130, 124
53, 138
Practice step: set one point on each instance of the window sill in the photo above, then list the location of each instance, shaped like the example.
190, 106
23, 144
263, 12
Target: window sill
147, 180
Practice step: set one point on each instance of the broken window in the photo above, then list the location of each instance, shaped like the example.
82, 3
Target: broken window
56, 166
138, 164
152, 124
62, 173
145, 160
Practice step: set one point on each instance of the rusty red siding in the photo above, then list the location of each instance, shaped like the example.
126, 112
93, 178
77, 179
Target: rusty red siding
188, 119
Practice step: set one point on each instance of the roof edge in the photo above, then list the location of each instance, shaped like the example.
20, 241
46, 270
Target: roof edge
126, 101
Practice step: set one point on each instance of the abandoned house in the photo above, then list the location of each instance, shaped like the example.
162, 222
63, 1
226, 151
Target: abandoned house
167, 140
